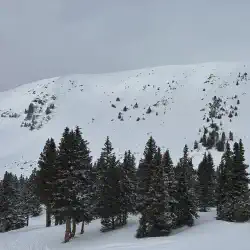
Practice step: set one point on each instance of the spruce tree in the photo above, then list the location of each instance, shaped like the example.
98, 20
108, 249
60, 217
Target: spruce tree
72, 182
109, 207
187, 205
206, 184
221, 143
220, 189
83, 183
158, 213
46, 175
232, 191
128, 185
12, 215
144, 175
33, 200
168, 169
225, 186
196, 145
64, 193
156, 204
240, 184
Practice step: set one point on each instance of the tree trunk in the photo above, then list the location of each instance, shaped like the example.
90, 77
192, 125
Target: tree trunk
73, 233
113, 222
27, 220
48, 216
56, 220
82, 228
68, 230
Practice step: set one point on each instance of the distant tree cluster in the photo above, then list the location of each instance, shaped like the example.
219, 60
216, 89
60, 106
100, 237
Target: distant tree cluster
212, 139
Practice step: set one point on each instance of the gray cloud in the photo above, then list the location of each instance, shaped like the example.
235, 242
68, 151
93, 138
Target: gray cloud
44, 38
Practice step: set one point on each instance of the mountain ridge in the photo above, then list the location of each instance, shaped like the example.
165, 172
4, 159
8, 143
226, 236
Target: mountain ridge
178, 97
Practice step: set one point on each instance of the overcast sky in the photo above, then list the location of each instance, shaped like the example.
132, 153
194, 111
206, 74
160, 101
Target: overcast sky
46, 38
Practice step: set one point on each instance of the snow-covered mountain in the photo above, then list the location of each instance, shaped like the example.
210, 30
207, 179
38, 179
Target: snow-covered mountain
117, 105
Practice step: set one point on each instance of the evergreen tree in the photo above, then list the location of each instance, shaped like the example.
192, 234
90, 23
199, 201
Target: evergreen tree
206, 182
64, 193
144, 173
109, 207
168, 168
128, 185
240, 175
240, 183
220, 189
204, 140
196, 145
82, 174
45, 177
72, 182
30, 202
33, 200
186, 209
12, 215
157, 218
231, 136
221, 143
225, 185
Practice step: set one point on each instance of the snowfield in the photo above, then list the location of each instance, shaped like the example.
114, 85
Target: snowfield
178, 96
206, 234
117, 105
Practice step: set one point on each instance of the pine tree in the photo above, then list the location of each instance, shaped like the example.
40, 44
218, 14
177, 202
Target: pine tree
64, 193
206, 182
157, 218
33, 199
144, 173
30, 202
46, 177
225, 186
128, 185
156, 191
204, 140
12, 215
82, 175
187, 206
240, 175
168, 168
196, 145
231, 137
240, 183
109, 207
221, 143
220, 189
158, 210
72, 184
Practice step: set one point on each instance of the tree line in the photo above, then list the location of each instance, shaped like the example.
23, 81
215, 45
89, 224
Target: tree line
74, 189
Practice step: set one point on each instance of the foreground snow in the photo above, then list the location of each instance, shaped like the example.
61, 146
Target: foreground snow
207, 234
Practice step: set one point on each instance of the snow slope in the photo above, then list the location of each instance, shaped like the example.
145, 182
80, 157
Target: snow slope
178, 96
206, 234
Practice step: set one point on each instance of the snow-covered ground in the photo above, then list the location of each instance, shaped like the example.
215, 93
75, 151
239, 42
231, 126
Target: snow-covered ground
206, 234
178, 96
